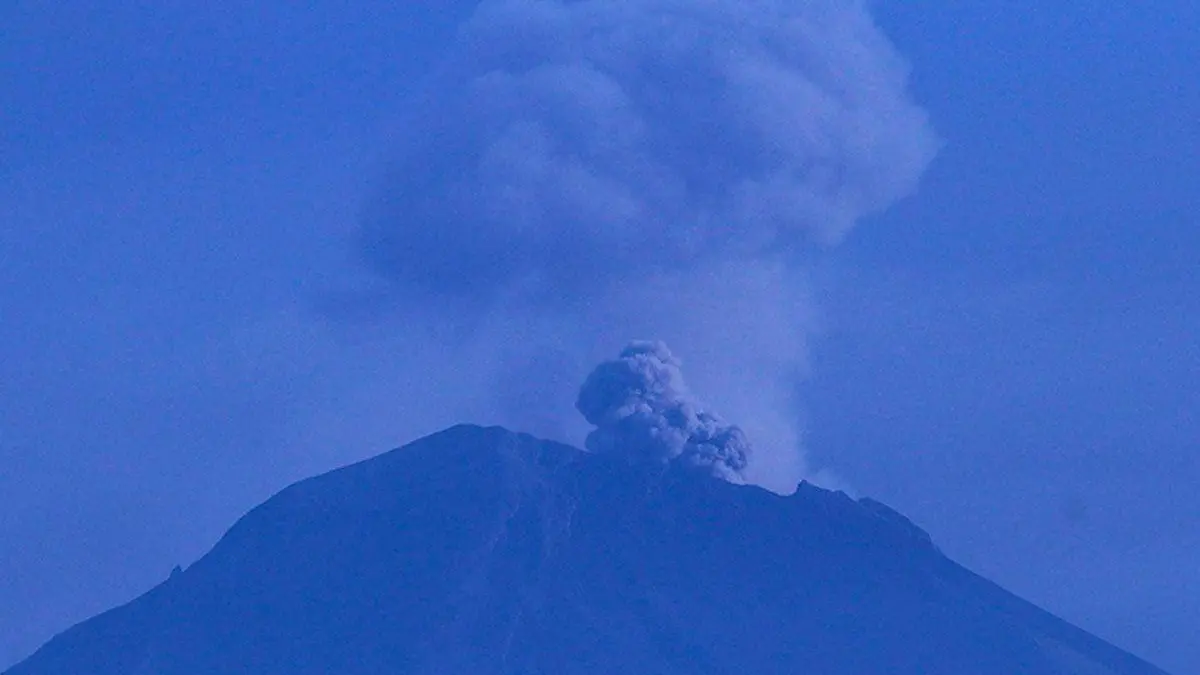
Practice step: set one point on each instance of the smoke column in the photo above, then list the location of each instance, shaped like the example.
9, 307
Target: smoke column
579, 173
643, 410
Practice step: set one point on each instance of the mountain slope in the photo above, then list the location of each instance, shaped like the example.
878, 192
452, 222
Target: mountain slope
482, 551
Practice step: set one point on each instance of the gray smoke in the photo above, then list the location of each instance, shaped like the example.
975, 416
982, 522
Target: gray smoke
642, 410
566, 145
578, 172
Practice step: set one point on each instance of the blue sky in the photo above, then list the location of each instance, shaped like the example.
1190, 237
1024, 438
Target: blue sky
1008, 356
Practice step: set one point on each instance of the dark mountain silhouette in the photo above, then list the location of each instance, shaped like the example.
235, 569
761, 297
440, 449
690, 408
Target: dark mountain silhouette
487, 552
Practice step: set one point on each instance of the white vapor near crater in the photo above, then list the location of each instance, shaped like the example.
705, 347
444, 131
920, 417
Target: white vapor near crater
577, 173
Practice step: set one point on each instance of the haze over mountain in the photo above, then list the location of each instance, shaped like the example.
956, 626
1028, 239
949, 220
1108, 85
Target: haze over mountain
479, 550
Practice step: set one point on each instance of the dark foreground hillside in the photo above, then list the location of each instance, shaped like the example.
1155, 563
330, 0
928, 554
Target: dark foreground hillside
486, 552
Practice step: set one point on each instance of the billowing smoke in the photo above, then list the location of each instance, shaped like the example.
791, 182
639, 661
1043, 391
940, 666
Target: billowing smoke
565, 145
579, 172
642, 410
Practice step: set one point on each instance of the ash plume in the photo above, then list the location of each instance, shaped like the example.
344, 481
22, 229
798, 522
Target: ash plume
577, 172
642, 409
564, 145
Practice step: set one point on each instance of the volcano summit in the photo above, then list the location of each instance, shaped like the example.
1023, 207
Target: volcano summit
478, 550
483, 551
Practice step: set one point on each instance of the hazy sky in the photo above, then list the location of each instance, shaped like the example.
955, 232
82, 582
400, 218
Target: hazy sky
187, 323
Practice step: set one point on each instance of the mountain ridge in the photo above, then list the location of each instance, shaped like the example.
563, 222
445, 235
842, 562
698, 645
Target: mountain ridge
485, 551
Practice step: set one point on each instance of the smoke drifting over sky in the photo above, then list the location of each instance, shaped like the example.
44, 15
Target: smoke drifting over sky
649, 168
642, 409
570, 143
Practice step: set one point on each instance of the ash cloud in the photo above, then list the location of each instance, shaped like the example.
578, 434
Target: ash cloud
642, 410
565, 145
578, 172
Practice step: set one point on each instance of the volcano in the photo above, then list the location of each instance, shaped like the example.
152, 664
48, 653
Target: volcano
483, 551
